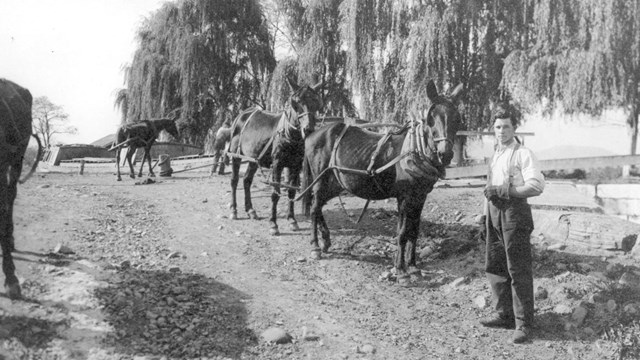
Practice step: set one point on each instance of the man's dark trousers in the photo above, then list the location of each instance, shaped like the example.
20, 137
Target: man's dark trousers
508, 259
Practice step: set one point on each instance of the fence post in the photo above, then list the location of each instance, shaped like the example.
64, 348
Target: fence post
81, 167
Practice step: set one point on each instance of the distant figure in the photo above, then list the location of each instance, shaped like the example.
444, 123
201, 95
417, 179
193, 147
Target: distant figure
164, 161
514, 175
141, 134
223, 135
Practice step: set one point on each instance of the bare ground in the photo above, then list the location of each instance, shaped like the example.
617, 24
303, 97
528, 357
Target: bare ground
158, 271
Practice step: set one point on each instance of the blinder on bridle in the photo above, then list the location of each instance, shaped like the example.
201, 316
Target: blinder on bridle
431, 123
297, 98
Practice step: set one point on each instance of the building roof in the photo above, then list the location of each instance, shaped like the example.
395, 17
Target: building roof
105, 142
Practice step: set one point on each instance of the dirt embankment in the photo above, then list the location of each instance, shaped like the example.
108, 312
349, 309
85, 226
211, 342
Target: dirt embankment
159, 271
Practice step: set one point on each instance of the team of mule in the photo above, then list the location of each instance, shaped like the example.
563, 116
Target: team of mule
404, 164
15, 132
142, 134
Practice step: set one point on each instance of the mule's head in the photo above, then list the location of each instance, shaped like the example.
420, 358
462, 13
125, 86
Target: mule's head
305, 101
172, 129
444, 119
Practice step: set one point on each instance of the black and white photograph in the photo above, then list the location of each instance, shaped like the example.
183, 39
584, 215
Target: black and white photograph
319, 179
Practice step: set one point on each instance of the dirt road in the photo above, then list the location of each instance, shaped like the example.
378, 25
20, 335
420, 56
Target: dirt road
113, 270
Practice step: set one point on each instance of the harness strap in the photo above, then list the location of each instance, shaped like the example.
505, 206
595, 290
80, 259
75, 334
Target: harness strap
382, 141
266, 147
490, 172
332, 162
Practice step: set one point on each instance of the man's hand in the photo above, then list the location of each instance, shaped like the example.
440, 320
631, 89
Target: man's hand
502, 192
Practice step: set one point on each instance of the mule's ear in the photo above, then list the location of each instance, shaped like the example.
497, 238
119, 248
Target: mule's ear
432, 92
292, 84
413, 115
457, 92
317, 86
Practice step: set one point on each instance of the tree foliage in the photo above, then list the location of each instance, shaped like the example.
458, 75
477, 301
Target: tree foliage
212, 58
319, 54
50, 120
585, 55
208, 58
397, 46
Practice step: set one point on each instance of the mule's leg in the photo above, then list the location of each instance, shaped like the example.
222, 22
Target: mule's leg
246, 182
216, 158
11, 283
317, 219
224, 160
316, 213
130, 152
118, 178
326, 236
235, 176
14, 176
414, 215
144, 158
401, 242
147, 154
275, 196
294, 181
409, 215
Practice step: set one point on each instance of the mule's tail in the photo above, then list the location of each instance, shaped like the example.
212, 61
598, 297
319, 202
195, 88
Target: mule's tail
35, 163
307, 179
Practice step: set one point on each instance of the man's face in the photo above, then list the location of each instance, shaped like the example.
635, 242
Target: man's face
504, 131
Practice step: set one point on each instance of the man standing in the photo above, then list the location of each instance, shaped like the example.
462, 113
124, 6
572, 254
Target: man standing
514, 175
223, 135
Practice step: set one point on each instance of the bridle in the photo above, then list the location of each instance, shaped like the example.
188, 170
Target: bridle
438, 139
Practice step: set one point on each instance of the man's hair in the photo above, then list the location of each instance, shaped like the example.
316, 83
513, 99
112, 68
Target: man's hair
504, 110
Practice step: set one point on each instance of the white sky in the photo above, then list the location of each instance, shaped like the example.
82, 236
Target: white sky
72, 51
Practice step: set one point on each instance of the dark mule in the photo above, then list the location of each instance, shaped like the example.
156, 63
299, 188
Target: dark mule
405, 165
15, 131
220, 159
142, 134
273, 140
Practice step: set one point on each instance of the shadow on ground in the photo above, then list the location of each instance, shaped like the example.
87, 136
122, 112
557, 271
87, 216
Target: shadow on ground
175, 314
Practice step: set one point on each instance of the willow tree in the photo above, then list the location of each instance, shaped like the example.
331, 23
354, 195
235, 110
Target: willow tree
208, 58
585, 55
313, 27
395, 47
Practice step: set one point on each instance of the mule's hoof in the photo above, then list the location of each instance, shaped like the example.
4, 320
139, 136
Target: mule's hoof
118, 178
293, 225
326, 244
252, 214
13, 291
274, 231
414, 272
152, 175
233, 216
132, 176
404, 280
316, 254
